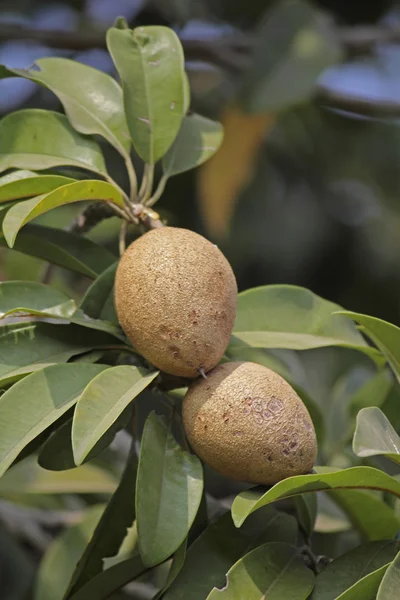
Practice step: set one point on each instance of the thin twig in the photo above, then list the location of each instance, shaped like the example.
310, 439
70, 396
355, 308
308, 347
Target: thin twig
122, 237
159, 191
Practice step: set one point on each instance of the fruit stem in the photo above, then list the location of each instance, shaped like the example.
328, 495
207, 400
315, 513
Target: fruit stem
147, 183
202, 373
122, 237
159, 191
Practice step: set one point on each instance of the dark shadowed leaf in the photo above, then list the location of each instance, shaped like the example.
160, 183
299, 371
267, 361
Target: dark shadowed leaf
274, 571
62, 248
306, 508
41, 398
41, 139
385, 335
62, 554
326, 479
102, 402
110, 531
178, 560
198, 139
287, 316
26, 187
99, 113
341, 574
375, 435
168, 492
390, 583
366, 587
98, 301
23, 212
150, 63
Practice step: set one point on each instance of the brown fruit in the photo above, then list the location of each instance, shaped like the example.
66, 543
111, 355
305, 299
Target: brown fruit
175, 295
248, 423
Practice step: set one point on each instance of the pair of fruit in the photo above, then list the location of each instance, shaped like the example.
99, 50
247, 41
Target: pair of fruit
175, 295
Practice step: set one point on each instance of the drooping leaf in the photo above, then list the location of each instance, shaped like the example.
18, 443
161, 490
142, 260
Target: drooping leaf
98, 301
40, 139
62, 554
26, 187
150, 63
168, 492
294, 46
28, 347
198, 139
26, 296
62, 248
306, 508
345, 571
325, 479
375, 435
389, 587
287, 316
23, 212
272, 571
27, 477
92, 99
214, 552
110, 531
102, 402
36, 402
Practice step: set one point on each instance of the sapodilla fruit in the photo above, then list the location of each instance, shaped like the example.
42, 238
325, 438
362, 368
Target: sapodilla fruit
175, 296
248, 423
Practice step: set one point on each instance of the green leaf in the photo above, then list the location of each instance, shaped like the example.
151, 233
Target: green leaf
111, 580
178, 560
27, 187
27, 347
98, 301
374, 435
344, 572
23, 212
102, 402
214, 552
272, 571
306, 508
150, 63
62, 554
41, 139
366, 587
62, 248
385, 335
27, 477
368, 513
287, 316
91, 99
110, 531
168, 492
356, 477
33, 297
294, 46
198, 139
41, 398
390, 584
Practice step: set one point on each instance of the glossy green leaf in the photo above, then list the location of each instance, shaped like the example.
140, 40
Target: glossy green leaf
62, 554
198, 139
306, 508
111, 580
287, 316
325, 479
150, 63
23, 212
110, 531
41, 139
272, 571
27, 477
102, 402
27, 347
62, 248
294, 46
93, 108
390, 585
31, 296
368, 513
214, 552
31, 186
168, 492
17, 175
375, 435
385, 335
41, 398
344, 572
366, 587
98, 301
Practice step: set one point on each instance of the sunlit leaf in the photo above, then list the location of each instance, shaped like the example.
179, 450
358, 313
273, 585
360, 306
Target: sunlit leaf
375, 435
26, 187
25, 296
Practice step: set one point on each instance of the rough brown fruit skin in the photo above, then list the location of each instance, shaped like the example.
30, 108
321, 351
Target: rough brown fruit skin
248, 423
175, 296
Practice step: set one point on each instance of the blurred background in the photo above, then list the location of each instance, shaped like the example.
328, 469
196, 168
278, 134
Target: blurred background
304, 190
